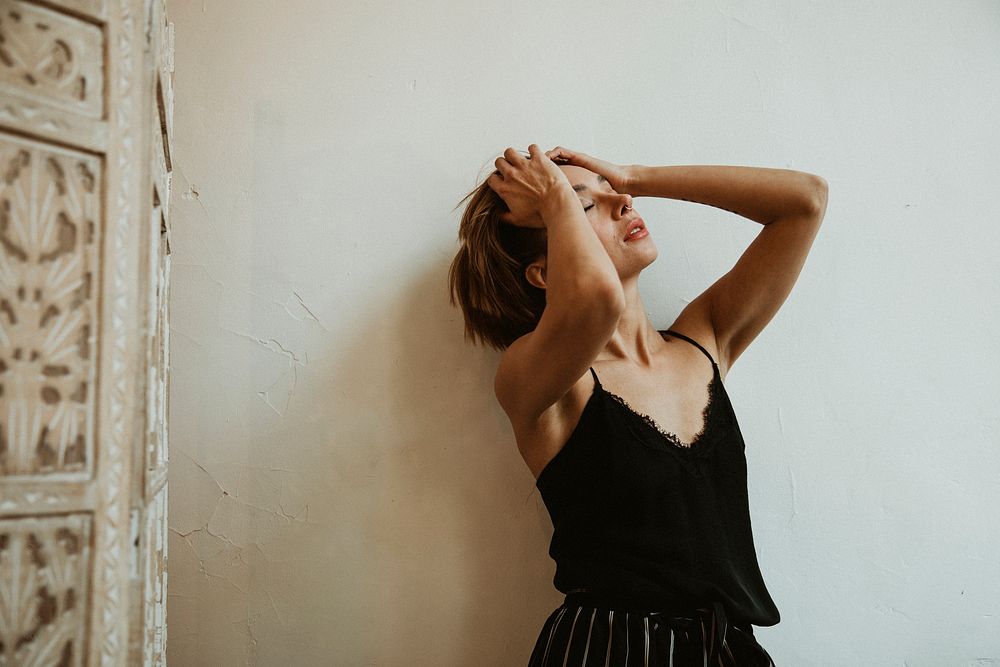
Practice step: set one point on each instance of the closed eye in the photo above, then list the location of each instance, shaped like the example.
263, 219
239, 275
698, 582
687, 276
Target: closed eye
587, 208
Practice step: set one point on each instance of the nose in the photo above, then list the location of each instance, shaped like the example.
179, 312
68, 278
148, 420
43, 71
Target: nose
624, 204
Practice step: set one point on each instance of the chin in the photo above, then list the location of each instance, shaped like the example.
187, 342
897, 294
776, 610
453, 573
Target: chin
652, 255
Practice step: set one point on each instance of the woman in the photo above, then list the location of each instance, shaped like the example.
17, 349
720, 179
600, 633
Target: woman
628, 430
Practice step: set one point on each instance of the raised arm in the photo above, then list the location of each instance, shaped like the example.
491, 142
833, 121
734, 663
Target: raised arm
789, 204
761, 194
583, 295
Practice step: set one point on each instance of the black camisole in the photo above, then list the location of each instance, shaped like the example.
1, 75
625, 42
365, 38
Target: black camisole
642, 522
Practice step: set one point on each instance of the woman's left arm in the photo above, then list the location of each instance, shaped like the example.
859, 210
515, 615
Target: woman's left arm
789, 204
760, 194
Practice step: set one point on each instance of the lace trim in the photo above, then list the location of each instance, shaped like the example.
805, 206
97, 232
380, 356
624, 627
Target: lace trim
705, 414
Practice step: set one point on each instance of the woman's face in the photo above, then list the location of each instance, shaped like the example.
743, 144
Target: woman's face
611, 219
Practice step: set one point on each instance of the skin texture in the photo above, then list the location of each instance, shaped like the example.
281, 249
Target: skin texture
544, 384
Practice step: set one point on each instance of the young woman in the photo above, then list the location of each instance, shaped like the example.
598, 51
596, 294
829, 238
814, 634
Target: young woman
628, 430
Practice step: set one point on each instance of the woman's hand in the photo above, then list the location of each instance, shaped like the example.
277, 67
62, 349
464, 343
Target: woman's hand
523, 183
619, 176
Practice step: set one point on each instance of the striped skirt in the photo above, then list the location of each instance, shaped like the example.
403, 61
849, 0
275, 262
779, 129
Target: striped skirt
576, 635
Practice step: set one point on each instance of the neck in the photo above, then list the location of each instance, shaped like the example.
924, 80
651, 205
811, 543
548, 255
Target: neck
635, 339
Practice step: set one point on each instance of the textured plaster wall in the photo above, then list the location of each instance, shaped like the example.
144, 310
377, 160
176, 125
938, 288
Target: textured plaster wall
344, 489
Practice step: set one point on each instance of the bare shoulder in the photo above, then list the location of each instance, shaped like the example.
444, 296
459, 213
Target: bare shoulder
539, 438
695, 322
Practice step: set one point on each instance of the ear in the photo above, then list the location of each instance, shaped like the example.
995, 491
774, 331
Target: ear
535, 273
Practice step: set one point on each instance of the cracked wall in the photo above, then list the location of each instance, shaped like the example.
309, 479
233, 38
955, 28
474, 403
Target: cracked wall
345, 489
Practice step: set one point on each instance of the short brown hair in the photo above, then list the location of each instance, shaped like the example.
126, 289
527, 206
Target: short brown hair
487, 275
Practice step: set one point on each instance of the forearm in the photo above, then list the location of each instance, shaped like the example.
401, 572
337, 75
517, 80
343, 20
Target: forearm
577, 265
760, 194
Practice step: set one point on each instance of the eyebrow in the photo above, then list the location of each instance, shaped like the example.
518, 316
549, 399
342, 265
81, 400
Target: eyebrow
582, 186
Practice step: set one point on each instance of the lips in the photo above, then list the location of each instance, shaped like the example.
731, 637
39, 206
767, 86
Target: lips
635, 224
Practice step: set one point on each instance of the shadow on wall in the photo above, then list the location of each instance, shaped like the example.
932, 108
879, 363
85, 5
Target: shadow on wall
453, 566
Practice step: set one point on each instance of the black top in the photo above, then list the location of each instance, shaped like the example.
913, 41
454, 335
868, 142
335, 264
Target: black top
642, 522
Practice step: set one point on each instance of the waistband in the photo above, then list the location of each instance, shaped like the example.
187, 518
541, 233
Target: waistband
713, 614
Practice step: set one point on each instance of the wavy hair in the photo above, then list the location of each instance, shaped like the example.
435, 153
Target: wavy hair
486, 277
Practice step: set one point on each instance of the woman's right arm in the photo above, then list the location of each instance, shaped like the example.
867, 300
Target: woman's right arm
583, 302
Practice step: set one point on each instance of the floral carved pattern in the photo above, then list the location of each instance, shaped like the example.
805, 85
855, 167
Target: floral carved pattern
49, 56
49, 213
43, 590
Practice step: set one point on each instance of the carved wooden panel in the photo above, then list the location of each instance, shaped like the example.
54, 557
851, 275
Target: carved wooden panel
48, 57
76, 90
156, 353
97, 9
52, 73
155, 576
147, 631
44, 568
120, 342
50, 235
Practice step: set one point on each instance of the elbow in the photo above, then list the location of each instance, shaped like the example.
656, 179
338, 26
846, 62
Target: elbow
601, 308
592, 309
807, 198
603, 297
597, 296
818, 194
608, 298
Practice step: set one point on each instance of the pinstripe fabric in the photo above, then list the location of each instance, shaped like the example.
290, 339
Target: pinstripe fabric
583, 636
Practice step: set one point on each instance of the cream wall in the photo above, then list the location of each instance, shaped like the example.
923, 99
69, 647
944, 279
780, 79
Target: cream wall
344, 489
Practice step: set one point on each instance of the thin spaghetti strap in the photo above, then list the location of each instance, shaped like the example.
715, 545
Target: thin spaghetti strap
596, 381
693, 342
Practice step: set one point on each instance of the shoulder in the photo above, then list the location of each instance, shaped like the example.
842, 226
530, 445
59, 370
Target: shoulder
505, 385
695, 322
539, 438
512, 376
